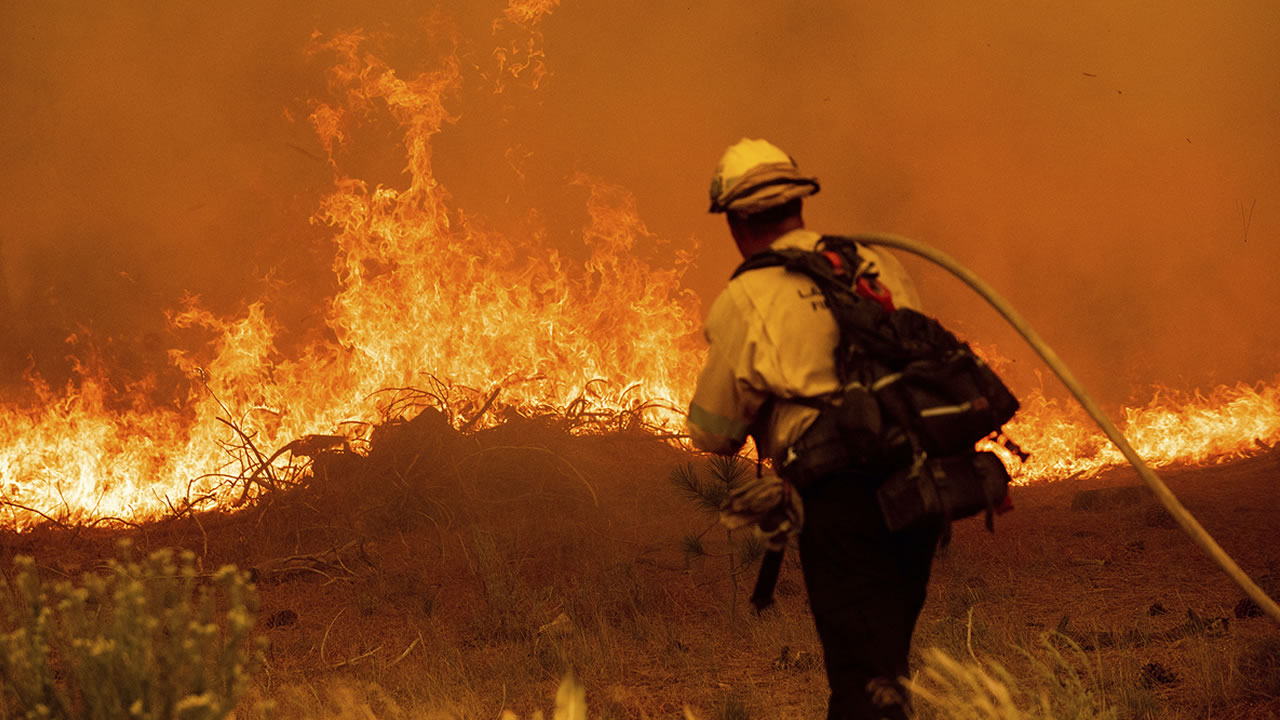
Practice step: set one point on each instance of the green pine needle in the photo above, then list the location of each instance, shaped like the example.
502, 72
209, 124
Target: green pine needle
686, 480
751, 550
692, 547
729, 469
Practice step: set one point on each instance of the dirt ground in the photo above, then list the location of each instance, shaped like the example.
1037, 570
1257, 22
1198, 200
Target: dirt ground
454, 576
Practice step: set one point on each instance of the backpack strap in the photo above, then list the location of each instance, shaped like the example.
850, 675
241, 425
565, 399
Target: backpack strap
764, 259
840, 252
843, 277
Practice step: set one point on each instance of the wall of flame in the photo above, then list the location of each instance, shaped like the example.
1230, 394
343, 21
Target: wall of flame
269, 214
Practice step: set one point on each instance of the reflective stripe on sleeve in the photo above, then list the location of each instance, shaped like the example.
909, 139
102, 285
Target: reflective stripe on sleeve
710, 422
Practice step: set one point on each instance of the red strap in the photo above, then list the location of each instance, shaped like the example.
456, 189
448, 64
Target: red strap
874, 290
836, 263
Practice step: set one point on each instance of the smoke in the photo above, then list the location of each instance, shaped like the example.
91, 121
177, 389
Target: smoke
1113, 170
147, 155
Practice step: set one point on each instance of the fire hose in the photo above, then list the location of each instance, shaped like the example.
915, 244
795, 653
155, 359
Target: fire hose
1185, 519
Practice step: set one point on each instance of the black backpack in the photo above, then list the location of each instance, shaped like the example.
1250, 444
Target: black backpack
914, 401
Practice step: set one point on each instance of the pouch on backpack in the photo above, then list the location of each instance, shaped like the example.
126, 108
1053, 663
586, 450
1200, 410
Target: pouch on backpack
949, 403
941, 490
847, 433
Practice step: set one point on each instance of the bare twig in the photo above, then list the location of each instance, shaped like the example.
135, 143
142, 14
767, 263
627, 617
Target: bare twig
204, 537
263, 463
111, 519
1245, 223
350, 661
537, 448
483, 409
324, 640
20, 506
326, 564
407, 650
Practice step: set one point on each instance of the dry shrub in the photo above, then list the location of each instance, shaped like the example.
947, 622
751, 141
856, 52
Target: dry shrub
142, 640
1065, 688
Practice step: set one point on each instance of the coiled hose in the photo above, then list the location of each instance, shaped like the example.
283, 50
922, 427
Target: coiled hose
1185, 519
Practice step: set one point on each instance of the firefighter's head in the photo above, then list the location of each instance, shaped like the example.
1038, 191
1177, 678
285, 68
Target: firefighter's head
760, 189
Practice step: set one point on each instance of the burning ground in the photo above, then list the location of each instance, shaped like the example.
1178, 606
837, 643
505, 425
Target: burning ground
233, 246
452, 575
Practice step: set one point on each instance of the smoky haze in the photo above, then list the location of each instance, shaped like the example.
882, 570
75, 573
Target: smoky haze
1115, 172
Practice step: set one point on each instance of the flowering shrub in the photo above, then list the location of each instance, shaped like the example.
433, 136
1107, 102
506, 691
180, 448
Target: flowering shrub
152, 640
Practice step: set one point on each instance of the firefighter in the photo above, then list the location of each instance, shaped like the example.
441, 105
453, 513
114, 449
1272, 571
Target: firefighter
772, 343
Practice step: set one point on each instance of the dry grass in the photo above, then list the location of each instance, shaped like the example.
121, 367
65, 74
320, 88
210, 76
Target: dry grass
458, 576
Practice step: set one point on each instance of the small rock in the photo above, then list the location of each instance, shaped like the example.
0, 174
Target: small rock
783, 661
805, 661
1137, 546
1211, 627
797, 660
1084, 534
1156, 609
1217, 627
1247, 608
282, 618
1153, 674
1156, 516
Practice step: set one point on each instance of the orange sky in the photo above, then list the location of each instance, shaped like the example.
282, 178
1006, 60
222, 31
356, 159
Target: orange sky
1092, 162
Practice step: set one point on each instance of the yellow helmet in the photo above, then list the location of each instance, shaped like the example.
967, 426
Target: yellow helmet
754, 176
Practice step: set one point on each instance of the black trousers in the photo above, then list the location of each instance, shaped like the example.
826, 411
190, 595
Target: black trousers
866, 588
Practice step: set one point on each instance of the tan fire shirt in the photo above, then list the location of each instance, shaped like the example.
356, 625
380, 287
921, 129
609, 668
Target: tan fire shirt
772, 336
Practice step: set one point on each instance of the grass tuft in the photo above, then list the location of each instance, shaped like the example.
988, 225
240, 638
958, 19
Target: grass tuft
1065, 687
1259, 665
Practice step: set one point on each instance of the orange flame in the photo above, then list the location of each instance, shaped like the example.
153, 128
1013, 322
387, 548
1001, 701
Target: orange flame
1173, 428
522, 55
425, 300
432, 305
